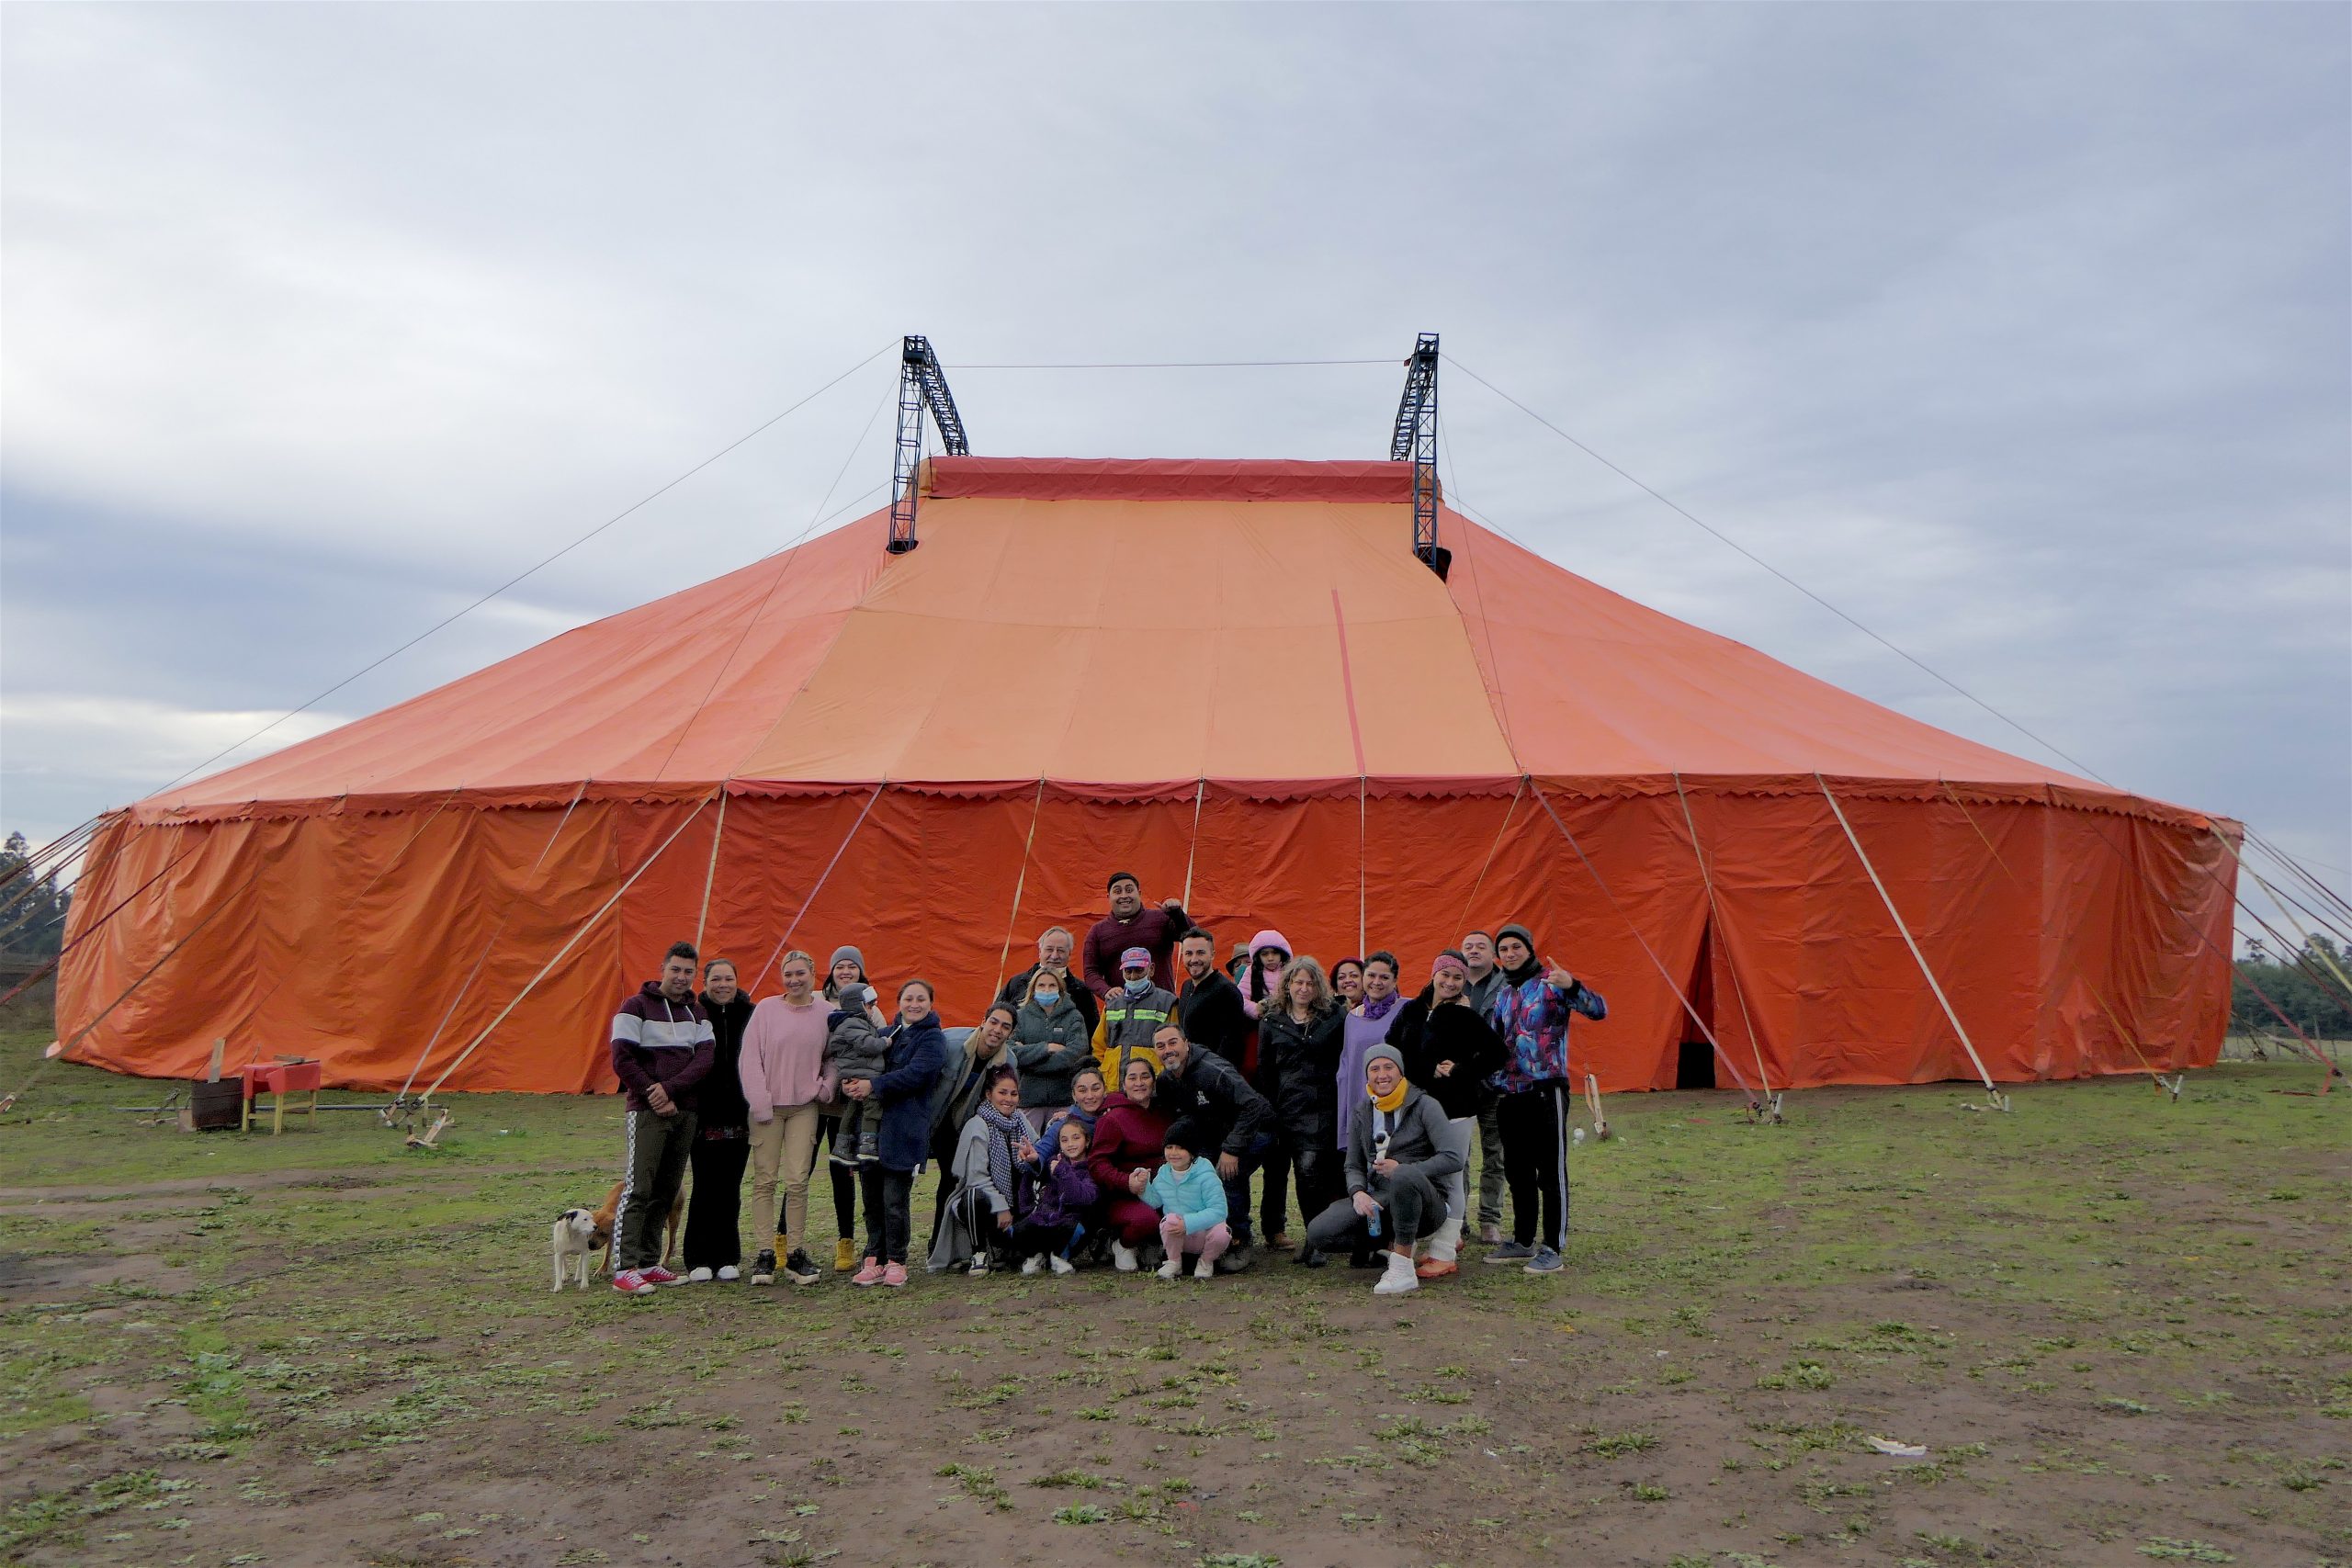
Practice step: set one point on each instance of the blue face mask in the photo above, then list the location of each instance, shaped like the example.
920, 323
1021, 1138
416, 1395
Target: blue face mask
1137, 987
1045, 998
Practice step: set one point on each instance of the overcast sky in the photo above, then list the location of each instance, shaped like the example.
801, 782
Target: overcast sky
2018, 333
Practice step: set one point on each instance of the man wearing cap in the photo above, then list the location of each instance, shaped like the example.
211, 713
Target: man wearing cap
1130, 924
1132, 1012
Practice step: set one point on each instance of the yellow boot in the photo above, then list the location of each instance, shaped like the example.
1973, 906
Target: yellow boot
845, 1256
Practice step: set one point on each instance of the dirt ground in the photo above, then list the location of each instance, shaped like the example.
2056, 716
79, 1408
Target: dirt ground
2118, 1324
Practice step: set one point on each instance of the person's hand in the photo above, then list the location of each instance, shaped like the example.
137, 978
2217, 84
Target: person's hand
1366, 1204
1137, 1181
1004, 1219
1227, 1166
659, 1098
1445, 1070
858, 1089
1557, 978
1027, 1151
1384, 1166
1171, 903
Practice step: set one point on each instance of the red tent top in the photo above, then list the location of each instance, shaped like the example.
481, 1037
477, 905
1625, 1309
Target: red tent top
1123, 624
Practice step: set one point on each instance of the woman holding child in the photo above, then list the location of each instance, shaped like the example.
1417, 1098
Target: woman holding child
914, 1054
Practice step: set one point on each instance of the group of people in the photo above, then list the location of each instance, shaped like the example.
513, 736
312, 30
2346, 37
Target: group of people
1115, 1108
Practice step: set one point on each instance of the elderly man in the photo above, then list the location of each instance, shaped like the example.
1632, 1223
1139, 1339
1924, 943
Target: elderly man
1203, 1087
1129, 924
1055, 945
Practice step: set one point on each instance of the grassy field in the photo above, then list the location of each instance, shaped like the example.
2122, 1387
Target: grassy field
2118, 1323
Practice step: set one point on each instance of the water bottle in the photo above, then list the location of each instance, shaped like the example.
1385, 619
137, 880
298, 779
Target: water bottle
1379, 1153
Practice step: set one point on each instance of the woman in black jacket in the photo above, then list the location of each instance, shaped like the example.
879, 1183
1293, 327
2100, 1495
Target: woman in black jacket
1299, 1056
1449, 1052
722, 1143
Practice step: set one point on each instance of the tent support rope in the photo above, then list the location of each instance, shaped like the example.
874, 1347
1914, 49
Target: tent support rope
1992, 1091
1488, 864
839, 850
1656, 963
710, 872
565, 951
1020, 881
1192, 851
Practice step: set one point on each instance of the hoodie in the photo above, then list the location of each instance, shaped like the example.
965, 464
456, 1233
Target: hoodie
1066, 1193
657, 1041
1247, 979
1426, 1034
1531, 1018
1127, 1137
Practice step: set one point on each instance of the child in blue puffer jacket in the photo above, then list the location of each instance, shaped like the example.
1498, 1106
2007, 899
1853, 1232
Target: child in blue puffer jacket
1186, 1191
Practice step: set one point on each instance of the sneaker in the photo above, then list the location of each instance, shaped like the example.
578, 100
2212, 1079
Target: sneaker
1170, 1270
661, 1276
763, 1267
1033, 1264
894, 1275
1122, 1257
1063, 1264
726, 1274
1437, 1268
799, 1267
980, 1266
1491, 1234
630, 1283
1545, 1261
699, 1277
1237, 1259
845, 1256
868, 1273
1399, 1278
1205, 1269
1309, 1257
1511, 1252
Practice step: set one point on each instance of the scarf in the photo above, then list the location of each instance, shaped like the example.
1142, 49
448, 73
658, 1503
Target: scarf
1388, 1103
1003, 1134
1383, 1007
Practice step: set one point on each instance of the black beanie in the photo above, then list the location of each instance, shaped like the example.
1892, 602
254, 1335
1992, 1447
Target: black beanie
1119, 876
1184, 1134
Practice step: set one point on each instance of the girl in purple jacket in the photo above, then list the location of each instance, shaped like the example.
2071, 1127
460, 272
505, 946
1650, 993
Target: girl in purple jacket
1047, 1232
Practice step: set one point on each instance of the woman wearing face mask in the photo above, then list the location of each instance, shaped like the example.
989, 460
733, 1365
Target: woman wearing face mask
722, 1135
1051, 1041
915, 1054
1449, 1052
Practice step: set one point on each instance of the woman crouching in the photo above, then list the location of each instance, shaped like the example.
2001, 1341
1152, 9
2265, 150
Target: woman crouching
1399, 1157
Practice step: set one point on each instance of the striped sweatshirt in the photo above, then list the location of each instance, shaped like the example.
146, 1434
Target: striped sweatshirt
657, 1041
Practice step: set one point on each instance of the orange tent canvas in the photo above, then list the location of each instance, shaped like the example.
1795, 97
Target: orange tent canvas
1234, 678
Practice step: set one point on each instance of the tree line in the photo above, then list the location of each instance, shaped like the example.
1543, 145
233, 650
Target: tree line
2319, 1010
33, 912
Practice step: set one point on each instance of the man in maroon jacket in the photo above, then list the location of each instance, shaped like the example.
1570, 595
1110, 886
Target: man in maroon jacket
1129, 924
662, 1046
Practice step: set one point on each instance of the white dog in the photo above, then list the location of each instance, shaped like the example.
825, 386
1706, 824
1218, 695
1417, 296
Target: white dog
574, 1240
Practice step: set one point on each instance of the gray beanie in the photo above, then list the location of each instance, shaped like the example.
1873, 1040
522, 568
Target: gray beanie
849, 953
855, 997
1384, 1053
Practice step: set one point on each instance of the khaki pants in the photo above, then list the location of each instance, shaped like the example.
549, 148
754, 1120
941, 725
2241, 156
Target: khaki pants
787, 1140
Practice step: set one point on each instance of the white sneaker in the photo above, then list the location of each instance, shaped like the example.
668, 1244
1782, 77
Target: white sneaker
1063, 1264
1399, 1278
1124, 1257
980, 1266
727, 1275
1204, 1269
699, 1277
1033, 1264
1170, 1270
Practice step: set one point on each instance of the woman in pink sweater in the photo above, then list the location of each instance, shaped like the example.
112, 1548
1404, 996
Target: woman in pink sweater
782, 1067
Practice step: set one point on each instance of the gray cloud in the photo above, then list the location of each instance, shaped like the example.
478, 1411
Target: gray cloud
2018, 333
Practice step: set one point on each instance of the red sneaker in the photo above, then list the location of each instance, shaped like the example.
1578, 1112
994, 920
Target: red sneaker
1436, 1268
868, 1273
894, 1275
631, 1282
658, 1275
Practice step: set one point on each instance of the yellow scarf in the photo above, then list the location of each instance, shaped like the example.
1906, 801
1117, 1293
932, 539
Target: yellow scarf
1395, 1098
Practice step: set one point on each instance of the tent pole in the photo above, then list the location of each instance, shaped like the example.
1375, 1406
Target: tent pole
1200, 793
1020, 881
710, 872
1992, 1092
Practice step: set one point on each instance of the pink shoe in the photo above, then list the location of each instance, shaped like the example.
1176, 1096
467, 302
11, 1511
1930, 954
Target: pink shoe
868, 1273
894, 1275
629, 1282
657, 1275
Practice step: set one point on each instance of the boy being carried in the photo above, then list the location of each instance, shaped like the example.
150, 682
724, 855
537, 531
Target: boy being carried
853, 1054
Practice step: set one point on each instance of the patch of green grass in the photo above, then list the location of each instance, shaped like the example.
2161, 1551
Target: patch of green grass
59, 1518
1616, 1445
1081, 1514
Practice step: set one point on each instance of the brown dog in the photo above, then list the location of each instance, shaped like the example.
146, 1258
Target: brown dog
602, 1214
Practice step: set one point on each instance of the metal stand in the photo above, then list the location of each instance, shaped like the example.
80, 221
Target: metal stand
922, 386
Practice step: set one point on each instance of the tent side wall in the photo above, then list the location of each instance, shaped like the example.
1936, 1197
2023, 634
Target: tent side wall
360, 938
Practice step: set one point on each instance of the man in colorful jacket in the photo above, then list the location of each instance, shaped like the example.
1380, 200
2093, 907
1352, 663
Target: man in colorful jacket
1531, 1010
